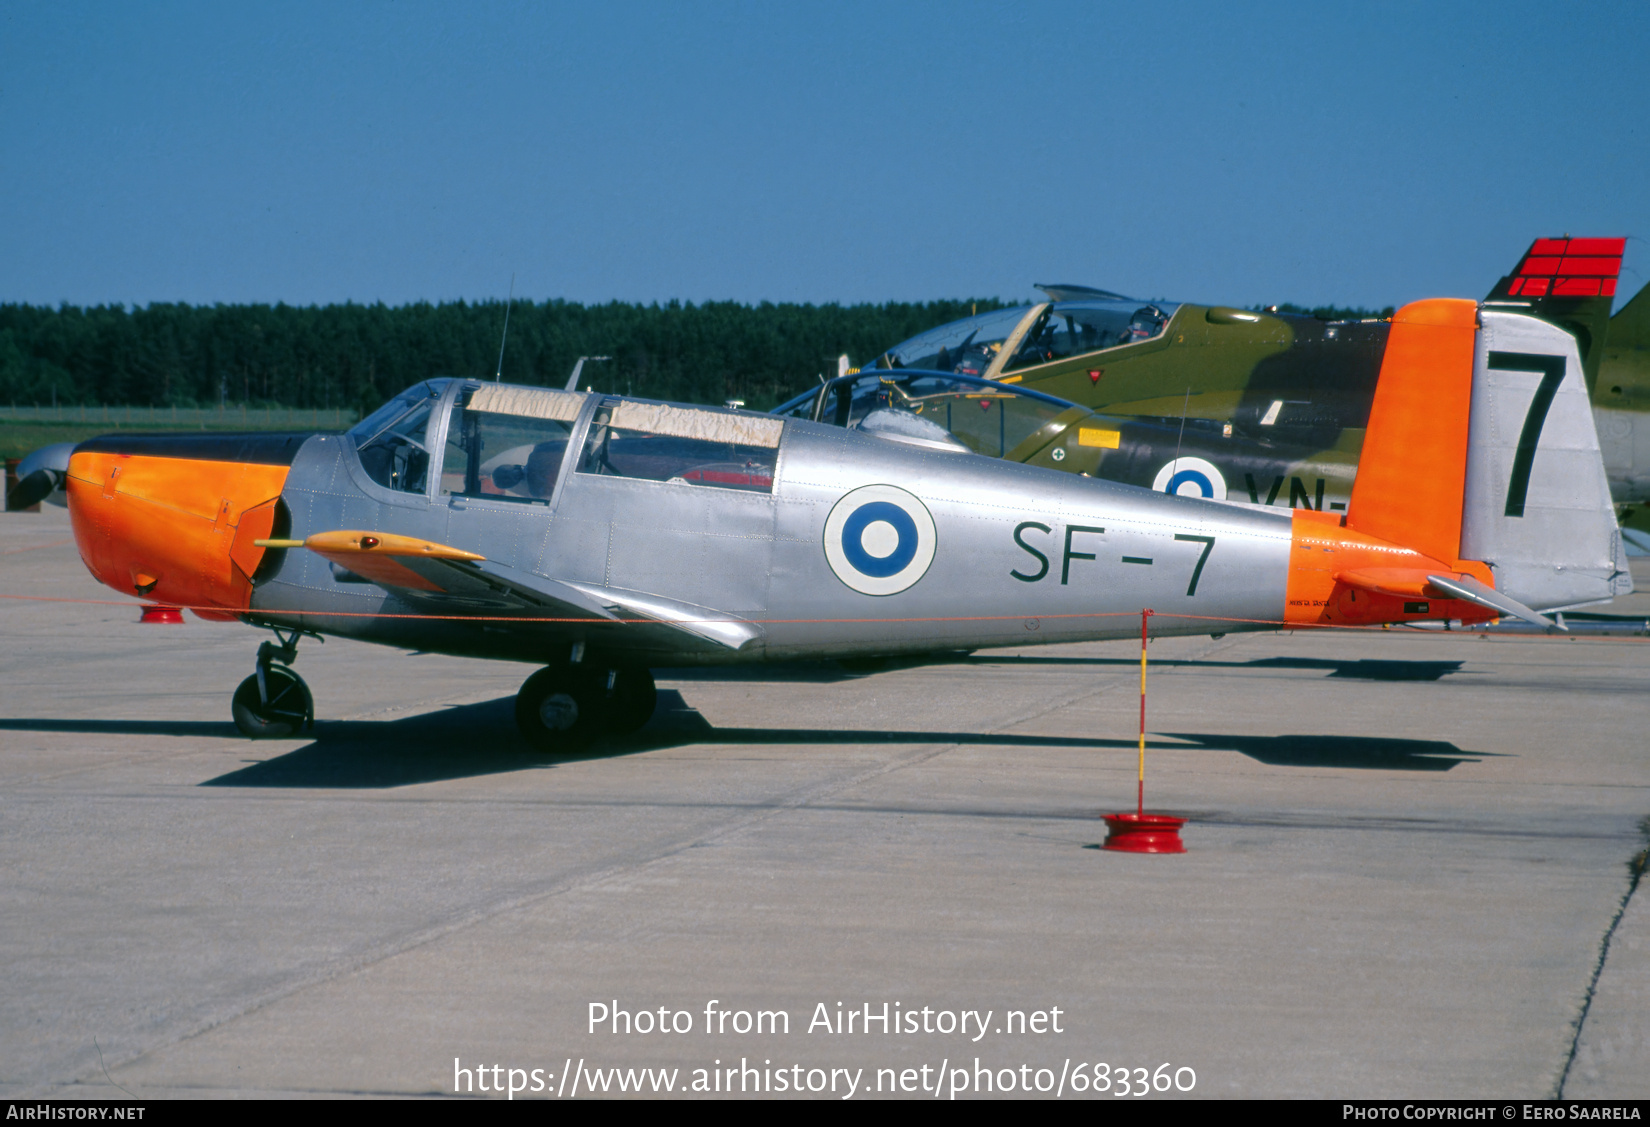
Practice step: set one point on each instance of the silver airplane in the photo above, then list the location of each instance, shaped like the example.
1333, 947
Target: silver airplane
602, 536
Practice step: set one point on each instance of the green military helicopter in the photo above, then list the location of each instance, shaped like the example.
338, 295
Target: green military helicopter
1260, 407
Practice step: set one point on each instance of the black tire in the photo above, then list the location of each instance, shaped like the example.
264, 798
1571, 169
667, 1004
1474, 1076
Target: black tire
631, 701
288, 710
561, 708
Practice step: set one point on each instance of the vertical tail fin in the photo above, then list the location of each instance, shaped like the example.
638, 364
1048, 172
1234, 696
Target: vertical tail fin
1571, 283
1627, 352
1537, 504
1413, 468
1481, 450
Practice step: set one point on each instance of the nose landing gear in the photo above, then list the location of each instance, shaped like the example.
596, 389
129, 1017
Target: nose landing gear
561, 709
274, 701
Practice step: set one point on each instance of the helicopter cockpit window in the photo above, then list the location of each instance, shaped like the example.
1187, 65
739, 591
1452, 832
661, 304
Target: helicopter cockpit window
508, 443
392, 442
984, 416
683, 445
1071, 328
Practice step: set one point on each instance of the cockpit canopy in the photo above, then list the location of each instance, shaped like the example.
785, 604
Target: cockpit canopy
1009, 340
981, 415
504, 442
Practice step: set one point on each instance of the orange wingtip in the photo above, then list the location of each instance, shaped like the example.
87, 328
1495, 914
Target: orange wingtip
383, 544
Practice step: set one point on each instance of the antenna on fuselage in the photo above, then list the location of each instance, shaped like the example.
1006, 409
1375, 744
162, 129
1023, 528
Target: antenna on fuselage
504, 336
573, 380
1178, 441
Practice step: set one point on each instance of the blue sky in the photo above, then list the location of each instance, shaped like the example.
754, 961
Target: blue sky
312, 153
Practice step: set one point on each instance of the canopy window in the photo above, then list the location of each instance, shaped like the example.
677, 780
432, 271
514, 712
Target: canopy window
707, 426
509, 443
527, 402
684, 446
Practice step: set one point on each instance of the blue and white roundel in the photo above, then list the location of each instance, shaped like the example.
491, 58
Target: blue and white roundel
1191, 477
879, 540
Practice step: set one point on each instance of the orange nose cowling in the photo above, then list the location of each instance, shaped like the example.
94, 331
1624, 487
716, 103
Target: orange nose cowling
176, 530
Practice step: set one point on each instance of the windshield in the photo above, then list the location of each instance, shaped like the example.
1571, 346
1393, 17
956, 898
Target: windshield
1062, 329
386, 416
391, 441
989, 418
967, 346
1071, 328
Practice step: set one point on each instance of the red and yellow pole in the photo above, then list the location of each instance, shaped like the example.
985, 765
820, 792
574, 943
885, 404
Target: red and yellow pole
1141, 832
1140, 789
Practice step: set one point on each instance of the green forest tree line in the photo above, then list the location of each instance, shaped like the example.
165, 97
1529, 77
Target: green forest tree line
356, 356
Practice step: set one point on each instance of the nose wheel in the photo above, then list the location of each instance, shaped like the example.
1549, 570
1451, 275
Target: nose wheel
274, 701
562, 709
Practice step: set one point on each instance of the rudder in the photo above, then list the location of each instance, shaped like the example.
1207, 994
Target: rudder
1536, 504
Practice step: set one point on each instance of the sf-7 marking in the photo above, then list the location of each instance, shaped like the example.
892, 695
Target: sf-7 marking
1208, 543
1552, 374
1065, 563
1019, 534
1069, 554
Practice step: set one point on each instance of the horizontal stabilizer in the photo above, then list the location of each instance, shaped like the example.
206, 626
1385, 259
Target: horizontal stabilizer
1401, 582
1422, 583
1468, 589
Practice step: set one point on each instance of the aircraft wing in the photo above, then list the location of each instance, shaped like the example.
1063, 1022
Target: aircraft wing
447, 581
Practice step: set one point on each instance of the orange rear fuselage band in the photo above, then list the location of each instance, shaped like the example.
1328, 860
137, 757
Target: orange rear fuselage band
181, 527
1322, 552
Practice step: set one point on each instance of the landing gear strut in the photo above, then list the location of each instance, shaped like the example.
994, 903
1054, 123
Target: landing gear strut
562, 708
274, 701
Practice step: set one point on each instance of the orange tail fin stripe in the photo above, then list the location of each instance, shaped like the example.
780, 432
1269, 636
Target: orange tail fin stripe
1413, 469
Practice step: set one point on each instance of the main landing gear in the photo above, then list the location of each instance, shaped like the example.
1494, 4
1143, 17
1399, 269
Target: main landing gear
562, 708
274, 701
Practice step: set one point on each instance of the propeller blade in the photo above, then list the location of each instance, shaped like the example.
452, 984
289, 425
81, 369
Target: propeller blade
33, 489
40, 477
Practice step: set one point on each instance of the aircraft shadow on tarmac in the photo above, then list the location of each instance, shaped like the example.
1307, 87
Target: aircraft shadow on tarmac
1363, 669
1380, 753
480, 739
223, 729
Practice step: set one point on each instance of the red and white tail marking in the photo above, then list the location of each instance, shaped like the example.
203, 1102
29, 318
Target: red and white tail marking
1569, 268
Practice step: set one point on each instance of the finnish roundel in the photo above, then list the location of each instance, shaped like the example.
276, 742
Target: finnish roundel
1191, 477
879, 539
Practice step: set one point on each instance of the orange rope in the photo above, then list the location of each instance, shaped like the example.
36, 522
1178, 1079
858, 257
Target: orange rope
1274, 623
36, 547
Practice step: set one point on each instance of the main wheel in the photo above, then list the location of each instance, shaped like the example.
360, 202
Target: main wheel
284, 708
561, 708
631, 700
